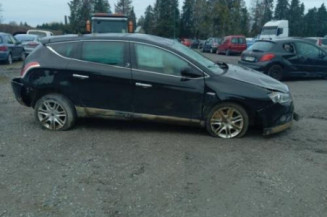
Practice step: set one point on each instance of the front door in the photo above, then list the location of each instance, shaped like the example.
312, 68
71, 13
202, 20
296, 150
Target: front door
159, 86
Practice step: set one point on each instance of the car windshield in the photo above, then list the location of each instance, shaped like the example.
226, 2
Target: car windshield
109, 26
207, 63
269, 30
261, 46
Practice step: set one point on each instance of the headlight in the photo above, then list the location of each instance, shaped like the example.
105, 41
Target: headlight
278, 97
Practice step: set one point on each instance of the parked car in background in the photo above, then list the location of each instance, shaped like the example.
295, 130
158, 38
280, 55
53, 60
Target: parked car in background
10, 48
233, 44
40, 33
29, 42
201, 43
321, 42
195, 43
285, 58
187, 42
211, 44
138, 76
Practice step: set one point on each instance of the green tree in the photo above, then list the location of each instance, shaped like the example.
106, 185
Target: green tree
187, 19
167, 18
149, 20
321, 18
295, 18
132, 17
281, 10
202, 19
311, 23
101, 6
80, 12
124, 7
262, 12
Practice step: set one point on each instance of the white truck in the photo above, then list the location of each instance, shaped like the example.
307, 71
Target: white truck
274, 29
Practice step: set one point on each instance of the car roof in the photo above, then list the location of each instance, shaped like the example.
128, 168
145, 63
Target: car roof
112, 36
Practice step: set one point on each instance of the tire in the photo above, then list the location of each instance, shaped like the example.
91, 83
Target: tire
55, 112
276, 71
227, 121
227, 52
9, 59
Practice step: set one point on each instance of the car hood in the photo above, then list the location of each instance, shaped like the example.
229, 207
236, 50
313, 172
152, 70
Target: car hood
253, 77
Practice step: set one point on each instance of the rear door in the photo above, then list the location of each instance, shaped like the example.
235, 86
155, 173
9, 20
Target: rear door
159, 86
103, 75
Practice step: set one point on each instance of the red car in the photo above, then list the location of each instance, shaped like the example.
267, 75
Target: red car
233, 44
187, 42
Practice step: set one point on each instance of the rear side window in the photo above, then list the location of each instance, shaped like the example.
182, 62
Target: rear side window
111, 53
262, 46
241, 41
67, 49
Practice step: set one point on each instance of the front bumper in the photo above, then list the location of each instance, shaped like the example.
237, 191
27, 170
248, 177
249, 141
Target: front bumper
277, 118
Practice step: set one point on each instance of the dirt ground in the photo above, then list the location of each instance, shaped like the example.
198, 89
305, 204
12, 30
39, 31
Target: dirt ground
135, 169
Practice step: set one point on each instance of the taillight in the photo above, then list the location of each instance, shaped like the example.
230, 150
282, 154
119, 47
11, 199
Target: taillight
267, 57
27, 67
3, 48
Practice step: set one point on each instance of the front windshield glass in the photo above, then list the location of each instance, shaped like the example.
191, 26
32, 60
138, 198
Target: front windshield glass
269, 30
207, 63
109, 26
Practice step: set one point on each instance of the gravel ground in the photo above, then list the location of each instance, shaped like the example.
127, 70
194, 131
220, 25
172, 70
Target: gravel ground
135, 169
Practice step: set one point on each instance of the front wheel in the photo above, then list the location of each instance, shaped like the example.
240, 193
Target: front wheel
55, 112
227, 120
276, 71
23, 56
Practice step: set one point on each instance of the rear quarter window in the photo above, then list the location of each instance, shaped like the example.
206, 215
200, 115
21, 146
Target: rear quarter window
262, 46
67, 49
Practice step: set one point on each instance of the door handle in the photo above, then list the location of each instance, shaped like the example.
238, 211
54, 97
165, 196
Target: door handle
143, 85
80, 76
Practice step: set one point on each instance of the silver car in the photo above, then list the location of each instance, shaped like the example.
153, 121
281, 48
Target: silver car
29, 42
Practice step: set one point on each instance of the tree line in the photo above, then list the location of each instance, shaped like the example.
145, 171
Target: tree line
202, 18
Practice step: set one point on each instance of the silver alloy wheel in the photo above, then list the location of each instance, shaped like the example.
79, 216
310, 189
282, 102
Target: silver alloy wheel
227, 122
52, 115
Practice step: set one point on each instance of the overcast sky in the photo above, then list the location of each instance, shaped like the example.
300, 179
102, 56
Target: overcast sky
36, 12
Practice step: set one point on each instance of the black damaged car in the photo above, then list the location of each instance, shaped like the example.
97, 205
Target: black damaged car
137, 76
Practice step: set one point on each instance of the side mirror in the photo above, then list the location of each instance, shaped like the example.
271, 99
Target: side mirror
190, 73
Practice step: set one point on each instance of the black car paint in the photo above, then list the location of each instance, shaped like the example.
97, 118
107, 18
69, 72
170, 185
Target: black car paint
293, 64
180, 97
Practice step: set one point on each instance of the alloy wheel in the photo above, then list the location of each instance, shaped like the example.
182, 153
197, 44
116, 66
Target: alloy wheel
52, 115
227, 122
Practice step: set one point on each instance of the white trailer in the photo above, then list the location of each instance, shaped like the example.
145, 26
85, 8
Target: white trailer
275, 29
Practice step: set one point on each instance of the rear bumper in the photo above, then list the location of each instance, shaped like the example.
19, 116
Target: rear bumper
19, 90
4, 56
258, 66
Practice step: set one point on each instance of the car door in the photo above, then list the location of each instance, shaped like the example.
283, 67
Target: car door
160, 87
11, 46
307, 56
103, 77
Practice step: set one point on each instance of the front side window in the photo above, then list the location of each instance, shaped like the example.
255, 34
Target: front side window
154, 59
111, 53
234, 41
9, 40
307, 50
67, 49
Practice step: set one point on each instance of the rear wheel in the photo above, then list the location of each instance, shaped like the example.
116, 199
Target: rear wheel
276, 71
227, 120
55, 112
